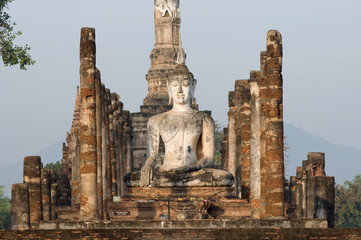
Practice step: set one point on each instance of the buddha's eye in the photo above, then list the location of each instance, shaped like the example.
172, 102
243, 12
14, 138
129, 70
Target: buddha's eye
185, 83
174, 84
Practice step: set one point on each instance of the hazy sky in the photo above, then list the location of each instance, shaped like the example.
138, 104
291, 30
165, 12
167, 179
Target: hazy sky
222, 40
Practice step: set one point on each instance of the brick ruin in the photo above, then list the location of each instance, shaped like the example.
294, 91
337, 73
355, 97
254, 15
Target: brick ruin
253, 149
106, 142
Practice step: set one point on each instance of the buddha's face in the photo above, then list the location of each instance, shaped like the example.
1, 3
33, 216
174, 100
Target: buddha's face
180, 89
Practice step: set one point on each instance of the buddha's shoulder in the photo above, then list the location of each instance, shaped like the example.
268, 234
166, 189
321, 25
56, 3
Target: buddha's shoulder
158, 118
204, 116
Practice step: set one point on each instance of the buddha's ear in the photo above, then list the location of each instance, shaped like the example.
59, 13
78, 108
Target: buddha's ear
194, 85
169, 93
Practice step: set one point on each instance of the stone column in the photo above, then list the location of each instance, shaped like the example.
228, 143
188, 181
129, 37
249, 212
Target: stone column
53, 193
127, 136
292, 185
255, 171
88, 147
128, 143
46, 176
244, 119
117, 146
271, 97
232, 138
325, 199
109, 161
224, 162
310, 197
20, 219
32, 176
299, 194
104, 150
113, 156
99, 141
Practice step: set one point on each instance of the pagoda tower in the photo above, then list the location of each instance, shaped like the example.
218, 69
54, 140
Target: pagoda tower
165, 53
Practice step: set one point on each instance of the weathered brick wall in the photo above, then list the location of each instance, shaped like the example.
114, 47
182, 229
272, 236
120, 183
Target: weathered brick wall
245, 233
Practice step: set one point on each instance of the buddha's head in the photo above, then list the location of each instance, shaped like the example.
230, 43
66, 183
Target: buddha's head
181, 86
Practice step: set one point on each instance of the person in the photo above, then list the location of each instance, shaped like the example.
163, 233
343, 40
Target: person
188, 134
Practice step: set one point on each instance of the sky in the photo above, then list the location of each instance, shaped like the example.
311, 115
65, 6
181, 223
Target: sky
222, 39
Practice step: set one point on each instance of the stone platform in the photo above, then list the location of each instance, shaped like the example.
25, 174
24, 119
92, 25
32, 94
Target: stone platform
185, 224
154, 193
194, 233
156, 203
128, 209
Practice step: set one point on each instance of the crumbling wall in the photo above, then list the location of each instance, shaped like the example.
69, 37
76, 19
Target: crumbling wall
255, 134
96, 155
311, 192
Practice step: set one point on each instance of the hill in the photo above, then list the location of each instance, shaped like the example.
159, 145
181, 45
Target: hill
13, 173
341, 161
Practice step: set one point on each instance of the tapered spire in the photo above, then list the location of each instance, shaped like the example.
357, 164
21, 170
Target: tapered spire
76, 115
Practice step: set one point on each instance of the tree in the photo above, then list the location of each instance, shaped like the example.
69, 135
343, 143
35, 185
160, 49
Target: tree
56, 166
348, 203
11, 54
4, 210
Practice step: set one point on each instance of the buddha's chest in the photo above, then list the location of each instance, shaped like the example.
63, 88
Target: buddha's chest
180, 129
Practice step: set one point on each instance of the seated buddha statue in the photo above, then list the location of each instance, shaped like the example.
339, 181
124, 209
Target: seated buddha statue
188, 137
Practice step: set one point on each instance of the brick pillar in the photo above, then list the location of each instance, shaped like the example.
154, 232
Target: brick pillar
232, 139
108, 145
88, 154
113, 155
319, 189
244, 134
127, 139
99, 141
299, 194
126, 162
32, 176
255, 171
292, 184
224, 161
316, 162
46, 177
271, 97
20, 219
53, 193
325, 199
117, 146
104, 150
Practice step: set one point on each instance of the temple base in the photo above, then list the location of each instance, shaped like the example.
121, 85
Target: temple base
206, 177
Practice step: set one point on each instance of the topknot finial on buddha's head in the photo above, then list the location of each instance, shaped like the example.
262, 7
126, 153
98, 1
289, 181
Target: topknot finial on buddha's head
168, 8
181, 69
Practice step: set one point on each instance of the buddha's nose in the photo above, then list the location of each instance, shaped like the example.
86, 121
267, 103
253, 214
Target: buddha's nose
180, 89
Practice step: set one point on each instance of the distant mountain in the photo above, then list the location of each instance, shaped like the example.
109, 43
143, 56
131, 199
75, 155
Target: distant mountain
342, 162
13, 173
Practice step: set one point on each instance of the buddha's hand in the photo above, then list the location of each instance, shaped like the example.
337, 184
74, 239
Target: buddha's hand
183, 169
146, 174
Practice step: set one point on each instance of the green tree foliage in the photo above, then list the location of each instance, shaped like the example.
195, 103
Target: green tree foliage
11, 54
56, 166
348, 203
4, 210
218, 139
